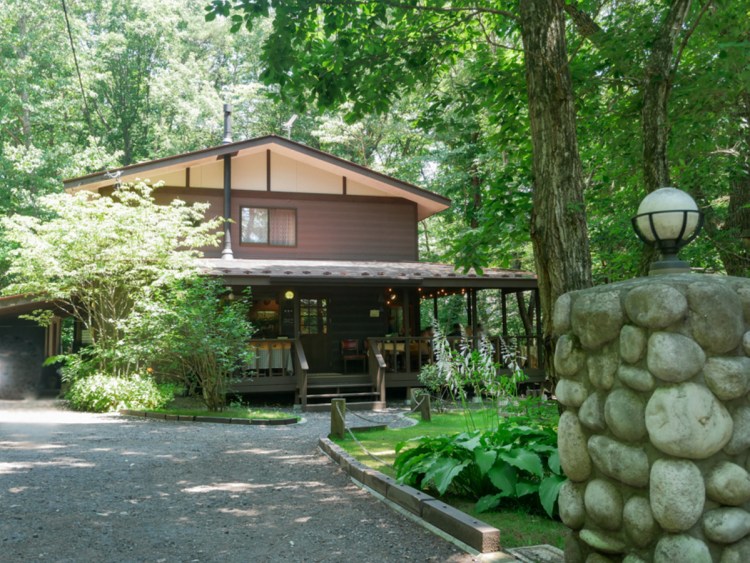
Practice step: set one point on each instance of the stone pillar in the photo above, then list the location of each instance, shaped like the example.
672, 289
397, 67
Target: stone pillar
654, 378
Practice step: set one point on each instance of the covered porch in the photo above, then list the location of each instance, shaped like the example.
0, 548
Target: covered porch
328, 329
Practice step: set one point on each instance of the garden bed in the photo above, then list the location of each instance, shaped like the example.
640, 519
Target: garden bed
521, 523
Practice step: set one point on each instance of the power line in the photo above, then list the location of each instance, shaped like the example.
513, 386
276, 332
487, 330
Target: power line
78, 69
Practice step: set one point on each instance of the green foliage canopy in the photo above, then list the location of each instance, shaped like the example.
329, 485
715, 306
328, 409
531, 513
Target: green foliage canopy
96, 255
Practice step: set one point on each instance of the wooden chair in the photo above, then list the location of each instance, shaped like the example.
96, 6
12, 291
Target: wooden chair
350, 351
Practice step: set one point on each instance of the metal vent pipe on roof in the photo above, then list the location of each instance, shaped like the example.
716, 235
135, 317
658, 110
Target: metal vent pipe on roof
226, 252
227, 124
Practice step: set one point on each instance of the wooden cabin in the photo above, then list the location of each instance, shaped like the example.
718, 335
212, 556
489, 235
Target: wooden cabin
330, 250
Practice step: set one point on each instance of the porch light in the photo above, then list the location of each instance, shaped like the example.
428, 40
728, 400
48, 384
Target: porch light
668, 219
289, 294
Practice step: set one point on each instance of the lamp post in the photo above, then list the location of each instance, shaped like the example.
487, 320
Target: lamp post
668, 219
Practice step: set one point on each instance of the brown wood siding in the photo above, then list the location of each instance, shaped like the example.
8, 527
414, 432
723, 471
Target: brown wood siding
329, 227
213, 197
336, 227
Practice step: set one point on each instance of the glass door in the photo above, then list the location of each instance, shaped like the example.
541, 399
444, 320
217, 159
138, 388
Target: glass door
314, 325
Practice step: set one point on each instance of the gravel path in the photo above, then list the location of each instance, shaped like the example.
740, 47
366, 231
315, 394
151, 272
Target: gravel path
85, 487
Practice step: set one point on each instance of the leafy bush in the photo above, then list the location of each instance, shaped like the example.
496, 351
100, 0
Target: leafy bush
515, 461
106, 393
190, 332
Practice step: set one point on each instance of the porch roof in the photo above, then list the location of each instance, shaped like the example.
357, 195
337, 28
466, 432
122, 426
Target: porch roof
415, 274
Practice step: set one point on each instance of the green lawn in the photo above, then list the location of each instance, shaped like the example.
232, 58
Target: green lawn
189, 406
231, 413
518, 526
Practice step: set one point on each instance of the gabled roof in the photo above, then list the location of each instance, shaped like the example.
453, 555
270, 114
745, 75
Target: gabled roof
416, 274
428, 203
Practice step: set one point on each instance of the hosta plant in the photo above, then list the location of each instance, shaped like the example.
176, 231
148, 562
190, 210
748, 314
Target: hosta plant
515, 461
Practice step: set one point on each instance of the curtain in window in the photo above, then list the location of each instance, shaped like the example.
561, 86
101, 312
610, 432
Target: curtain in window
283, 227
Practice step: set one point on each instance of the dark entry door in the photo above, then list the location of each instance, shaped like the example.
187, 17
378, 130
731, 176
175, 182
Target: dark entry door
314, 329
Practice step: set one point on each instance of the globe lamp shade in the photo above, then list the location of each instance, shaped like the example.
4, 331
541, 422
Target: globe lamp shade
668, 219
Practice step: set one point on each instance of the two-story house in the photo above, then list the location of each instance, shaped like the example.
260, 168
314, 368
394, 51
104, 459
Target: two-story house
330, 250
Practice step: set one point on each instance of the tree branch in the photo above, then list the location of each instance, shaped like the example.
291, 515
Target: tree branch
438, 9
685, 39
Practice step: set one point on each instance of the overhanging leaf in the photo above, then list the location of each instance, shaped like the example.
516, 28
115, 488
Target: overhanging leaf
504, 478
443, 471
548, 491
488, 502
525, 460
485, 459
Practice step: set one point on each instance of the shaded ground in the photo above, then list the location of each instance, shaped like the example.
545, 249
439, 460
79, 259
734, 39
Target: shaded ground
83, 487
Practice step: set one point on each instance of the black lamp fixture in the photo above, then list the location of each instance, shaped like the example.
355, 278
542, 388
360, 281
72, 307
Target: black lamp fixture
668, 219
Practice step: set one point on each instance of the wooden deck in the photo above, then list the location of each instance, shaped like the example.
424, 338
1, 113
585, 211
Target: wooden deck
393, 363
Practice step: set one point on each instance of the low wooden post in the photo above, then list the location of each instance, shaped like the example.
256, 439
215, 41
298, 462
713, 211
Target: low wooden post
338, 418
424, 407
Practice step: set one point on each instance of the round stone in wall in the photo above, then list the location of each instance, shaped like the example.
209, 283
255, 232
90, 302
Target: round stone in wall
673, 357
638, 521
597, 318
744, 294
632, 343
571, 445
569, 359
570, 503
636, 378
655, 305
602, 367
716, 319
561, 314
741, 436
726, 525
727, 377
687, 420
728, 483
737, 553
627, 464
602, 541
624, 414
681, 548
677, 494
591, 413
603, 504
570, 393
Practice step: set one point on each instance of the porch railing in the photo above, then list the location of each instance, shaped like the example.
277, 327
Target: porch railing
407, 355
377, 366
279, 365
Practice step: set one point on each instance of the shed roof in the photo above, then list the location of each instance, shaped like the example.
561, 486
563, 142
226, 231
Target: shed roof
428, 203
416, 274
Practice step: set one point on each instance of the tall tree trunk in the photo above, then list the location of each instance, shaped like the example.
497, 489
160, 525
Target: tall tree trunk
727, 235
657, 86
558, 222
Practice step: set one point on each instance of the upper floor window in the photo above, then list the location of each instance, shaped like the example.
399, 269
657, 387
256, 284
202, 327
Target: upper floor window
272, 226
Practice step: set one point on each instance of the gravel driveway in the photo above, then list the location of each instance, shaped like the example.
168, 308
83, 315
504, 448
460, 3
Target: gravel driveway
85, 487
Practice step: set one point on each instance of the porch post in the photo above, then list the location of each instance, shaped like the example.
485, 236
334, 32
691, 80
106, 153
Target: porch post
227, 253
474, 316
504, 309
407, 316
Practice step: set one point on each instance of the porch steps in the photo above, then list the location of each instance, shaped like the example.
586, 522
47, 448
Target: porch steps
358, 406
357, 389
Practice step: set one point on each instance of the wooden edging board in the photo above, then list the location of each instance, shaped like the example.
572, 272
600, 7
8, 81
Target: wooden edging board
474, 533
212, 419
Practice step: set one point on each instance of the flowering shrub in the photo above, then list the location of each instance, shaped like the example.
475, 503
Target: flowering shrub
461, 368
106, 393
